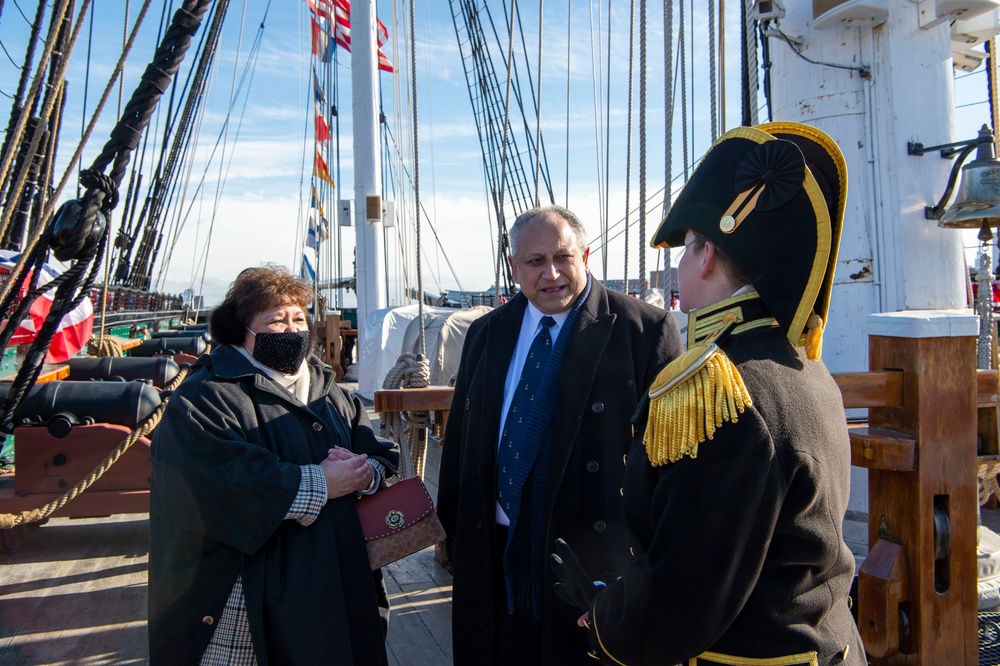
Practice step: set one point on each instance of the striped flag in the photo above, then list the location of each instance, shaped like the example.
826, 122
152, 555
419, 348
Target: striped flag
320, 170
339, 13
322, 226
318, 90
74, 329
321, 47
316, 203
318, 230
322, 128
306, 272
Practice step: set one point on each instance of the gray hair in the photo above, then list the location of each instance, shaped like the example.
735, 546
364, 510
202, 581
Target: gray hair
569, 216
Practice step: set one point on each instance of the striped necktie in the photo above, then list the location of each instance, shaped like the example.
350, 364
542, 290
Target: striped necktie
517, 418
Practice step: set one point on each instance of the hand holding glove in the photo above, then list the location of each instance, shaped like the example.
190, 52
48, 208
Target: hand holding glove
575, 587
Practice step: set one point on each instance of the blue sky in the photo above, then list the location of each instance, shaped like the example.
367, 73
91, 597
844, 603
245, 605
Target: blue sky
259, 215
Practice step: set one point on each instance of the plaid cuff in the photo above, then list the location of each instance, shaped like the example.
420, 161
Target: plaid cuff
311, 497
379, 474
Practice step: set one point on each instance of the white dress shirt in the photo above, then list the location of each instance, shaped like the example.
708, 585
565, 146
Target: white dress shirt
530, 325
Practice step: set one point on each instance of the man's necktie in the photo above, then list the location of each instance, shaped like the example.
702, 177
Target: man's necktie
517, 417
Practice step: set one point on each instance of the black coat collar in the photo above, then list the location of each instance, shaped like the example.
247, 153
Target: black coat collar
747, 311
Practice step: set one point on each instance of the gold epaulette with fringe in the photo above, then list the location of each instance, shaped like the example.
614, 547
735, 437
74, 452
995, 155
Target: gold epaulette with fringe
689, 400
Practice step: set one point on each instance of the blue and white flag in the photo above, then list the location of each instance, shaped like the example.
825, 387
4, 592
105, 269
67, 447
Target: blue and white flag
307, 272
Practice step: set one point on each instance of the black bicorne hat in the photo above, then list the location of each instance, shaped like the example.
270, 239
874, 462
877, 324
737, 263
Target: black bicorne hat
773, 197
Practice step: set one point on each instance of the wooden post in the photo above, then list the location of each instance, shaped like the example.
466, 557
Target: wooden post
333, 344
927, 510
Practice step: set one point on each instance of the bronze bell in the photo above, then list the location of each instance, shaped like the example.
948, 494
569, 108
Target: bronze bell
977, 203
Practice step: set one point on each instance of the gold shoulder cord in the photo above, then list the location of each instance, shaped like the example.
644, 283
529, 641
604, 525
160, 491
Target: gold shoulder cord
689, 400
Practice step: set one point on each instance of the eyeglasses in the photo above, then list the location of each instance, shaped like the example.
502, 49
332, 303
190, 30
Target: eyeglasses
680, 255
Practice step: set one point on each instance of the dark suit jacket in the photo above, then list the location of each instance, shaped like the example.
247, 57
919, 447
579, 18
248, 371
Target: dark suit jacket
616, 347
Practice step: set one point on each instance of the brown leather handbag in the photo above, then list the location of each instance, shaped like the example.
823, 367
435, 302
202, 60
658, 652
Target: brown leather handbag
398, 520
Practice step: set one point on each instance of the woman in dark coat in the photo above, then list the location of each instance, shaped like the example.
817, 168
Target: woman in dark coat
256, 551
736, 488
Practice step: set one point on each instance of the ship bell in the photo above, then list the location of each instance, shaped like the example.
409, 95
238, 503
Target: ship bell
977, 203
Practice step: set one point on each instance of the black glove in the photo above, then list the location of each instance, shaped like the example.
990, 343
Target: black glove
575, 587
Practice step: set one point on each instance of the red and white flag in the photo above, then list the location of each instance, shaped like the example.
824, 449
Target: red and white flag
73, 331
339, 13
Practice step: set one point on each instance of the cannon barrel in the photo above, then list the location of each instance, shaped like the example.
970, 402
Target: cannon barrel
122, 403
160, 370
195, 346
204, 335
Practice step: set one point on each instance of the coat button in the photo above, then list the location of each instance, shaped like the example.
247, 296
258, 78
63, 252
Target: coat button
630, 383
479, 524
468, 403
317, 426
208, 620
592, 466
599, 526
597, 407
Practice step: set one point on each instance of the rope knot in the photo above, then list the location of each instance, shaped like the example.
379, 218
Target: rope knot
93, 179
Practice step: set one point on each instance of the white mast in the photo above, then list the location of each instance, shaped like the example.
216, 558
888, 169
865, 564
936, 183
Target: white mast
370, 270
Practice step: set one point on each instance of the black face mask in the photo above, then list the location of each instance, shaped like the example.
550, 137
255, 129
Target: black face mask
283, 352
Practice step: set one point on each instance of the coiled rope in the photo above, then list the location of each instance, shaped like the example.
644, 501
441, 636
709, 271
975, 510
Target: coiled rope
105, 345
408, 428
11, 520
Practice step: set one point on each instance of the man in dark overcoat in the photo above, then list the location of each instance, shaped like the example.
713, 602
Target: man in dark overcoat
606, 348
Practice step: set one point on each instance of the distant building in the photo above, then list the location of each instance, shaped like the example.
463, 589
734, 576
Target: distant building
665, 280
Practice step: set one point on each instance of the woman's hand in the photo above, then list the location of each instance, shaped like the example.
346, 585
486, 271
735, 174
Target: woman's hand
345, 472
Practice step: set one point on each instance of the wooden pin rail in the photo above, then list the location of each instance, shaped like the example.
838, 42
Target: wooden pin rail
435, 399
879, 448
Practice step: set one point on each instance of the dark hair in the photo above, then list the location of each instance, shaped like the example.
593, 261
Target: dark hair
254, 290
735, 273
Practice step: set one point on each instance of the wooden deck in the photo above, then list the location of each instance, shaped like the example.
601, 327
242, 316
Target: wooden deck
74, 592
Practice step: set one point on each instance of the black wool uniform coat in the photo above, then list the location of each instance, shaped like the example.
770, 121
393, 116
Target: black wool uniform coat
226, 467
740, 550
616, 347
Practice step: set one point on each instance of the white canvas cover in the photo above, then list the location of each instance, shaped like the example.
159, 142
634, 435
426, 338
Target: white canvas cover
382, 344
444, 334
